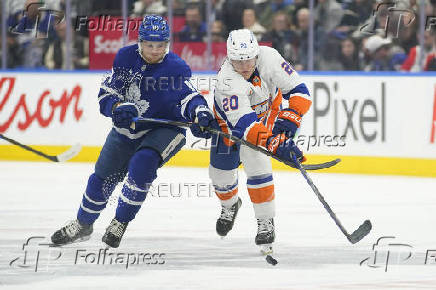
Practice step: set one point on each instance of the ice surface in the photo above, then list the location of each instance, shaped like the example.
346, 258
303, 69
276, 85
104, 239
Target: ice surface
38, 198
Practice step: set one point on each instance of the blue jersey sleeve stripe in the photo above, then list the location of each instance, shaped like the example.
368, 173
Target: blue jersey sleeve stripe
243, 124
300, 89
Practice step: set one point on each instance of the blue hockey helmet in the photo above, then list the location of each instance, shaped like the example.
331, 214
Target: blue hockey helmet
154, 28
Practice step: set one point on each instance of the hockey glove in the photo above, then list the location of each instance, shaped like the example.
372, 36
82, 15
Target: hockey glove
123, 115
203, 118
284, 148
288, 121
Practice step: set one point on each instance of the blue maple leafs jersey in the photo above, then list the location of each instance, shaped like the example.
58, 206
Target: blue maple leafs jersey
160, 90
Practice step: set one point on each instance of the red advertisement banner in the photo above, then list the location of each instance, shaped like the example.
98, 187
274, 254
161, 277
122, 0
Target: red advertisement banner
105, 39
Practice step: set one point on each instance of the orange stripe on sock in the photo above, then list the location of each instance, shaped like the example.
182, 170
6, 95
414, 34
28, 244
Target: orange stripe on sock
227, 195
263, 194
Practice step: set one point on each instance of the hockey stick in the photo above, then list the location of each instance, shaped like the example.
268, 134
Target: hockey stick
67, 155
236, 139
358, 234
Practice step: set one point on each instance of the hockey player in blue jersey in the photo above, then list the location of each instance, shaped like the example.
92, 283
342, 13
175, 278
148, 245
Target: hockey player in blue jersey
148, 81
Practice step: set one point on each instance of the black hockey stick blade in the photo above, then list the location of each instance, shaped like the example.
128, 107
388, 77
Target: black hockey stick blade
324, 165
361, 232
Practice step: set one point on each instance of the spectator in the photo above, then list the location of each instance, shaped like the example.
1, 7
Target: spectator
106, 7
275, 6
362, 8
430, 63
282, 37
412, 62
249, 21
383, 57
194, 29
81, 52
349, 22
55, 53
349, 55
179, 7
143, 7
260, 6
13, 48
218, 31
232, 13
297, 5
328, 56
303, 46
31, 48
14, 51
216, 7
329, 14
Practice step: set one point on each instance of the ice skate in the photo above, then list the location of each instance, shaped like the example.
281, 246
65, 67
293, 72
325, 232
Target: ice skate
73, 232
227, 218
265, 232
114, 233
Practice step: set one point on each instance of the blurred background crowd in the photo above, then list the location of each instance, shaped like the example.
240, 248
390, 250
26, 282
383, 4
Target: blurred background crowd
345, 35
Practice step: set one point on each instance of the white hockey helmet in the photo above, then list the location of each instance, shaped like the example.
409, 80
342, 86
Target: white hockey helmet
242, 45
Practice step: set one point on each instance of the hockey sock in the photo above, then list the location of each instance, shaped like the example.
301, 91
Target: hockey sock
94, 199
142, 172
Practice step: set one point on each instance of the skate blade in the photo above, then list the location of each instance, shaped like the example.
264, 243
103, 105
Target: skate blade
266, 249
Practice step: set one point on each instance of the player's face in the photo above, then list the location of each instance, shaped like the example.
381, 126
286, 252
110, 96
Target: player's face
153, 51
244, 67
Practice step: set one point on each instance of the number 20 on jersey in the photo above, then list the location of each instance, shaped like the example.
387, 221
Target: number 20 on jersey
230, 103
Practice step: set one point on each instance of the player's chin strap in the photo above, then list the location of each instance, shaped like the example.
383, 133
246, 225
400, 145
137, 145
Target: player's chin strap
242, 141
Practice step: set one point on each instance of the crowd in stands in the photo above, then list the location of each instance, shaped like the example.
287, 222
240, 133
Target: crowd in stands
348, 35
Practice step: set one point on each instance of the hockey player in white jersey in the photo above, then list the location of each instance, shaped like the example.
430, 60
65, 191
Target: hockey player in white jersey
260, 98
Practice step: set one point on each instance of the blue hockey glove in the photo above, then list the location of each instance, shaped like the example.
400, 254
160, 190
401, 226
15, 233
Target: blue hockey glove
123, 115
288, 121
284, 148
203, 118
